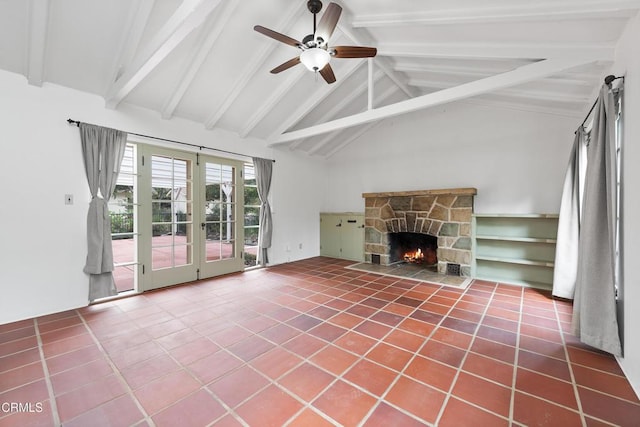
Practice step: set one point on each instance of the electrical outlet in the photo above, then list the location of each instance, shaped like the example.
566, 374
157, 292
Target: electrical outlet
300, 246
68, 199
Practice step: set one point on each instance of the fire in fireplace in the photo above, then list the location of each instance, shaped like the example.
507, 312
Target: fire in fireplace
414, 248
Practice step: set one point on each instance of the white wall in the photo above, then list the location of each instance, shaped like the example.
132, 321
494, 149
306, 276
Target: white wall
43, 241
628, 64
516, 159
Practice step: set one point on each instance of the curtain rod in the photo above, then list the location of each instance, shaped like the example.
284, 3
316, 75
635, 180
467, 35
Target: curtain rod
200, 147
607, 80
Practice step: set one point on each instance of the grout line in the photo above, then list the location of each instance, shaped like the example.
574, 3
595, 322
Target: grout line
116, 372
516, 359
52, 398
574, 384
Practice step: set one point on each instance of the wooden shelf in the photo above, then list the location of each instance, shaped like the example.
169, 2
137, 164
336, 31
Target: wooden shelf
518, 239
522, 261
515, 248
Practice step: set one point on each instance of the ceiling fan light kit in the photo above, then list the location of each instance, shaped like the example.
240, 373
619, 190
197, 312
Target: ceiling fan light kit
315, 58
316, 52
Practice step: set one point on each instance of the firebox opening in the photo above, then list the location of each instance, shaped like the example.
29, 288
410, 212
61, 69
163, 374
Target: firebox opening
413, 248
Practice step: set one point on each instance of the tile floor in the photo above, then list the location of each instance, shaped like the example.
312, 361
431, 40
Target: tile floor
311, 344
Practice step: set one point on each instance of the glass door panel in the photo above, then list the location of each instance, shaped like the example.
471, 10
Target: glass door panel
170, 240
222, 204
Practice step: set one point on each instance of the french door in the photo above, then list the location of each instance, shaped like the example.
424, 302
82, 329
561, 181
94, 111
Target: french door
188, 211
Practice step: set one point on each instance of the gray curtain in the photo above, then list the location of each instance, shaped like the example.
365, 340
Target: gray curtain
264, 170
102, 150
566, 262
594, 306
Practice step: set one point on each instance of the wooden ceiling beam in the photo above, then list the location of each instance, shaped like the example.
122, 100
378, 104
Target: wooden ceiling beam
187, 17
523, 74
548, 11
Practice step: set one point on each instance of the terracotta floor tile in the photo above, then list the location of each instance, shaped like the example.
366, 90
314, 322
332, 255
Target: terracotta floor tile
63, 346
271, 407
238, 385
426, 316
323, 312
72, 359
541, 333
431, 373
545, 365
327, 332
80, 375
304, 322
459, 325
279, 333
498, 335
386, 415
355, 342
370, 376
334, 359
144, 372
17, 360
543, 347
20, 376
251, 347
458, 413
529, 410
405, 340
489, 368
229, 336
275, 362
372, 329
418, 399
309, 418
595, 360
122, 411
493, 349
313, 330
417, 327
304, 345
88, 397
344, 403
494, 398
615, 385
610, 409
306, 381
444, 353
197, 409
401, 309
214, 366
560, 392
389, 356
194, 350
451, 337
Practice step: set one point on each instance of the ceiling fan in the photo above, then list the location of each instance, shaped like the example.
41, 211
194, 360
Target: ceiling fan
316, 52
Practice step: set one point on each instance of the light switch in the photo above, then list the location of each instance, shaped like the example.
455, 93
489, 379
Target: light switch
68, 199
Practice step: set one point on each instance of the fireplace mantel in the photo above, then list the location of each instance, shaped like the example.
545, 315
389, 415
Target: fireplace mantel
443, 213
446, 191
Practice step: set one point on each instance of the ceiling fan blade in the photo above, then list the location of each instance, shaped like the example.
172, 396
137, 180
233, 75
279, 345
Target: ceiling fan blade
286, 65
277, 36
354, 51
327, 74
328, 22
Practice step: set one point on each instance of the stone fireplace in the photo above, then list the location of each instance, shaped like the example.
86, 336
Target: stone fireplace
442, 216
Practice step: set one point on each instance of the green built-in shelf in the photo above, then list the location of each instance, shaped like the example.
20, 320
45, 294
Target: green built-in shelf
515, 248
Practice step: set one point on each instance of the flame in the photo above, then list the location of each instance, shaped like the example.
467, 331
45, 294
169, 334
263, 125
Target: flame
416, 256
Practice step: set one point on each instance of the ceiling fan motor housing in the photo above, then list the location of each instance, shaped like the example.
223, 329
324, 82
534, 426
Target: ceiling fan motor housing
314, 6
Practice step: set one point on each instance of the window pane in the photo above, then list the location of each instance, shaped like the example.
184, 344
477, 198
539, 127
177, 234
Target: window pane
124, 277
251, 216
124, 250
182, 255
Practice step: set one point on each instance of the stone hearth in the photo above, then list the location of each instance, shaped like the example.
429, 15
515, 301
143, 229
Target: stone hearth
445, 214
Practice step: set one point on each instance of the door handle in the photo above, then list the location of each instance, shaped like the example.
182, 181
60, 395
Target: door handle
203, 225
339, 225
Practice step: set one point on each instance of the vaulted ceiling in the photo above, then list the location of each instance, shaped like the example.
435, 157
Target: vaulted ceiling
201, 59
